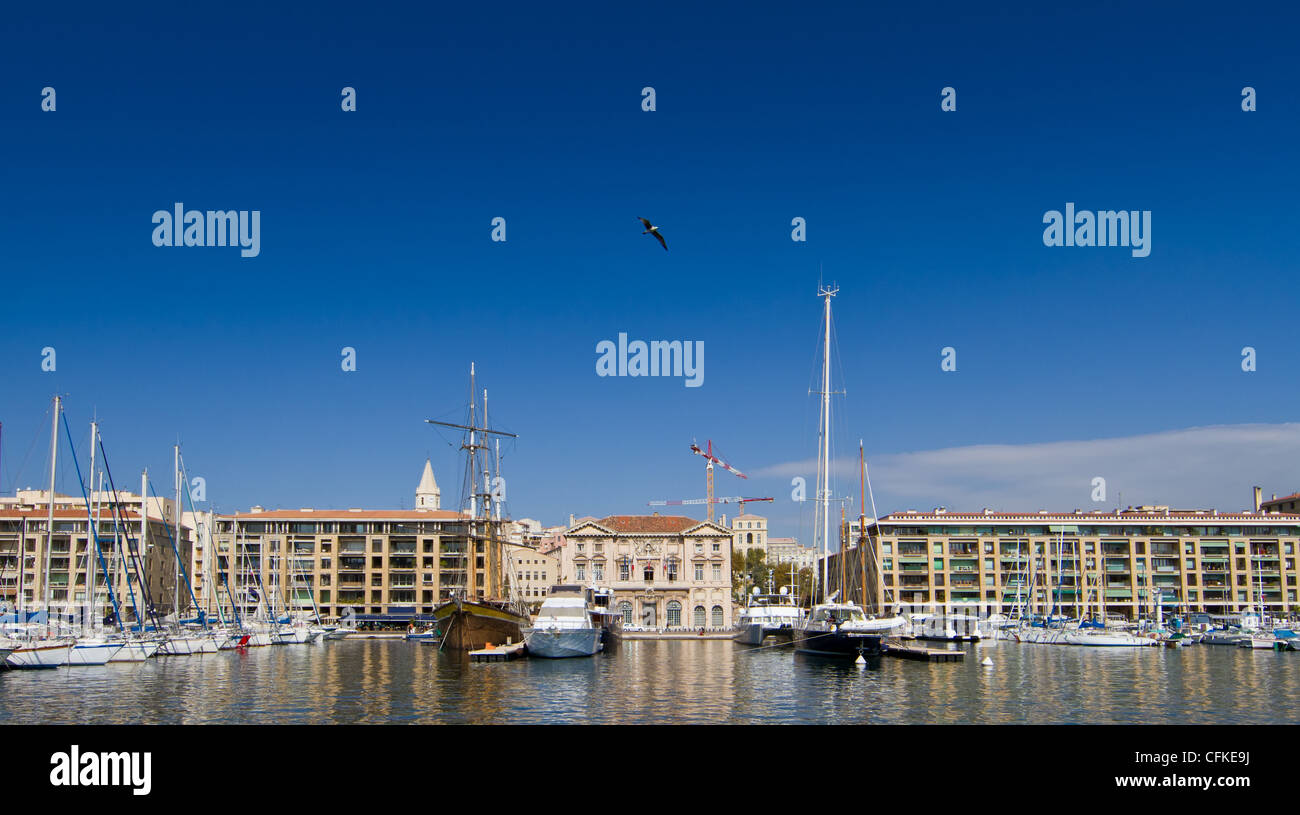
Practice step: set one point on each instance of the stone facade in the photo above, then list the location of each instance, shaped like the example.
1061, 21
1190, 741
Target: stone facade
668, 573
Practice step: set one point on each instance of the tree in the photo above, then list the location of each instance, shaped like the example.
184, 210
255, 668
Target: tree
737, 573
785, 575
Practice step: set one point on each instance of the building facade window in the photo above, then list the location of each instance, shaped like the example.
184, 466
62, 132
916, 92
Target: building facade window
717, 616
674, 614
717, 571
699, 572
581, 572
624, 572
625, 608
699, 616
598, 572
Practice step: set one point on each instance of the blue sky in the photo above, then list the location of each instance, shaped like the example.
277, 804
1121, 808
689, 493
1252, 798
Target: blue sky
375, 233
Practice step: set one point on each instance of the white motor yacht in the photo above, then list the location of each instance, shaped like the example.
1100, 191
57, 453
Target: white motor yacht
768, 616
564, 626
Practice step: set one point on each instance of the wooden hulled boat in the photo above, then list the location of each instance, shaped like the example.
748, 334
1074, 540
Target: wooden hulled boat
468, 625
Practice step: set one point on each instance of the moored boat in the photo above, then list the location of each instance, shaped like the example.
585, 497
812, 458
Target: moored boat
474, 615
469, 625
136, 650
844, 630
1107, 638
40, 654
607, 617
564, 626
93, 651
1223, 636
768, 616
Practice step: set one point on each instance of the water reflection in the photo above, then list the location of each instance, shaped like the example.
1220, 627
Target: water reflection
666, 682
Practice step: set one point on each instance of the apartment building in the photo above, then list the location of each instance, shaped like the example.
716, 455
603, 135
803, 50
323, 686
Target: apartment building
1120, 563
531, 572
134, 557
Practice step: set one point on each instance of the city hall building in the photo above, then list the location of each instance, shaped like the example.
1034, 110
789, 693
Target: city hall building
667, 572
1118, 563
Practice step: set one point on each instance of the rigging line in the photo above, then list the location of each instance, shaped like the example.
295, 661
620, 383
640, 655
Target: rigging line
174, 539
132, 557
92, 533
135, 548
35, 436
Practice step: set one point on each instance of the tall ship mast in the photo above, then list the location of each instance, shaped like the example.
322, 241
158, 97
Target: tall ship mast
478, 610
835, 629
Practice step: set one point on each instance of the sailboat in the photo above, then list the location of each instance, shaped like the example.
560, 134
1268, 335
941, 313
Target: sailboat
42, 648
472, 618
833, 628
1102, 635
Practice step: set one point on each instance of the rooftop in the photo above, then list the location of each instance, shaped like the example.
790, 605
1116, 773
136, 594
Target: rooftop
648, 524
346, 515
1159, 514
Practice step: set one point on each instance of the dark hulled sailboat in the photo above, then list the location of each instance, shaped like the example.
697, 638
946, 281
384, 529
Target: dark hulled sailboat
477, 614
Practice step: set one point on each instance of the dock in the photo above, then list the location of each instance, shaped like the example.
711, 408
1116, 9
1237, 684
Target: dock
923, 654
499, 653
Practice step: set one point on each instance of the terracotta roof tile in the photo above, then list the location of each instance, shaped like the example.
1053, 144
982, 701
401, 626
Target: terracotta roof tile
648, 524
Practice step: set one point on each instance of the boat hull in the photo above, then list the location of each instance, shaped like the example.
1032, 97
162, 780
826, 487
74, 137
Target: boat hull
40, 656
136, 651
1222, 639
188, 646
471, 626
758, 633
558, 643
1108, 640
93, 653
1257, 643
839, 644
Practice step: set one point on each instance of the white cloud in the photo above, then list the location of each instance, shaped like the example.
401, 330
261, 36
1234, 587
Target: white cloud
1201, 467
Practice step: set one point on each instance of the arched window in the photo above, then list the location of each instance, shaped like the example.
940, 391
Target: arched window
717, 616
749, 537
674, 614
699, 616
625, 608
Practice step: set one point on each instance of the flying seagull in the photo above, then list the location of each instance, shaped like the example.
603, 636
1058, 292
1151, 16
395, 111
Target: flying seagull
654, 230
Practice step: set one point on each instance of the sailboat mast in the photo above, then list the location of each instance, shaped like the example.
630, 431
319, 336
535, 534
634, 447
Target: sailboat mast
824, 465
49, 529
176, 517
862, 524
144, 543
490, 507
92, 536
471, 545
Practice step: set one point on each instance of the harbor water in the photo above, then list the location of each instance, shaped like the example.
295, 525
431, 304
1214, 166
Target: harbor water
666, 682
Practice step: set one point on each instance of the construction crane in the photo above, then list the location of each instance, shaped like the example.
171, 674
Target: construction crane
712, 459
731, 500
